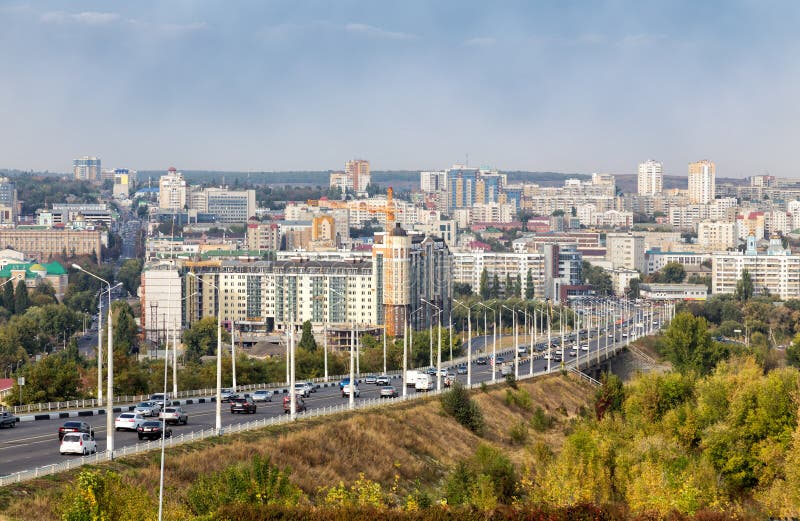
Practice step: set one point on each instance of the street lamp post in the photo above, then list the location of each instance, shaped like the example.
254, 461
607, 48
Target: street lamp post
438, 349
516, 339
469, 340
218, 411
110, 364
352, 387
494, 337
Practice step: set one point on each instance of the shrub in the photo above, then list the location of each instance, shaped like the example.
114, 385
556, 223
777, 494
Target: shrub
457, 403
521, 399
541, 421
518, 433
511, 380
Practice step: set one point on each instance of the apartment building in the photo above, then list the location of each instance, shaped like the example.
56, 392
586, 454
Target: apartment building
9, 204
625, 251
776, 271
160, 295
657, 259
228, 206
717, 235
86, 168
469, 265
172, 191
702, 182
263, 236
650, 180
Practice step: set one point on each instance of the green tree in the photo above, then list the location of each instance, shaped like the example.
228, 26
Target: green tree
673, 273
8, 297
21, 301
307, 339
485, 291
130, 274
609, 396
518, 286
688, 344
793, 352
744, 287
54, 378
495, 292
508, 288
633, 288
201, 338
529, 287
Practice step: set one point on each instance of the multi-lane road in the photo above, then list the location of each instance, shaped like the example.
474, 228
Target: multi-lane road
35, 444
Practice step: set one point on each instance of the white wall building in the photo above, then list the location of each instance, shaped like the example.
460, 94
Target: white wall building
702, 182
651, 178
717, 235
777, 271
625, 251
172, 191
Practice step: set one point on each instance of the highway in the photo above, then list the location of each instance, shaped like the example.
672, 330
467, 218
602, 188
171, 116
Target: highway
35, 444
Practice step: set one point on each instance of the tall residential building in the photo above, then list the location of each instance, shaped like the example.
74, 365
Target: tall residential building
86, 168
358, 171
717, 235
172, 191
563, 265
9, 205
702, 182
776, 272
430, 182
461, 183
651, 178
624, 250
229, 206
341, 181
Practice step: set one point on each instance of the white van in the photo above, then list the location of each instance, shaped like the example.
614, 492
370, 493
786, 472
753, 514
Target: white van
424, 383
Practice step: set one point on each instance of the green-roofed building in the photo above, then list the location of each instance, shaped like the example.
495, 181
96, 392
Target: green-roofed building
33, 273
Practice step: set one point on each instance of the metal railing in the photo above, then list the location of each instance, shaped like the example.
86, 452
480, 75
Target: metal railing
360, 404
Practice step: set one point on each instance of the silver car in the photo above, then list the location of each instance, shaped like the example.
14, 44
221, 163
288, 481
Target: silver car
148, 409
174, 415
262, 395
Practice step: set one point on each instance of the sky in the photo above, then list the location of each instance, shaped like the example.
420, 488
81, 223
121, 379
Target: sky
263, 85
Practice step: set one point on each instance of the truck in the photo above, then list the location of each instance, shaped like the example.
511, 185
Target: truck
424, 383
412, 376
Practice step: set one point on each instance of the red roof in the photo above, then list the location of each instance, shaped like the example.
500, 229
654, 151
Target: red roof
6, 384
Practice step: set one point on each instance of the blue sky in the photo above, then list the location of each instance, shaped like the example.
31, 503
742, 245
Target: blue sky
277, 85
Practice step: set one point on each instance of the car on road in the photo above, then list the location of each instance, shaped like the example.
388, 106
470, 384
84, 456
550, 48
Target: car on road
148, 409
78, 443
461, 370
302, 389
242, 404
8, 420
382, 380
481, 361
225, 394
151, 429
346, 391
299, 404
500, 359
311, 387
573, 351
370, 379
343, 382
262, 395
128, 421
443, 372
160, 398
506, 370
388, 391
174, 415
75, 426
585, 347
431, 371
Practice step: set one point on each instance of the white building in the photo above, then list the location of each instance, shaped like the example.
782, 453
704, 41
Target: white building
160, 294
621, 279
469, 265
776, 272
625, 250
431, 181
230, 206
172, 191
673, 291
656, 260
651, 178
717, 235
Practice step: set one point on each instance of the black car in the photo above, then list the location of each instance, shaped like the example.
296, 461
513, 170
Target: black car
243, 404
75, 426
151, 429
500, 359
8, 420
481, 361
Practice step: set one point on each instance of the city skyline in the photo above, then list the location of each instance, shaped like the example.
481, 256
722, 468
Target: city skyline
265, 87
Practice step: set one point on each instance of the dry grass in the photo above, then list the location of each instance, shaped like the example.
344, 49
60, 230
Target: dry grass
416, 441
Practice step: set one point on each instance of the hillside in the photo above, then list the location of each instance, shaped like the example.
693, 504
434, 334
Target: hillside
414, 443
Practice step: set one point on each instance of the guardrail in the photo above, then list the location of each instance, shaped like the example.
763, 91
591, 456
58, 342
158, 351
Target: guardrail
360, 404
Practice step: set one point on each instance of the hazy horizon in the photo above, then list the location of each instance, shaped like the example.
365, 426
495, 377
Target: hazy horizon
268, 86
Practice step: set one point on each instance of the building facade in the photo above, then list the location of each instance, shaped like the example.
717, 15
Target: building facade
776, 272
651, 178
86, 168
702, 182
358, 171
625, 251
172, 191
45, 243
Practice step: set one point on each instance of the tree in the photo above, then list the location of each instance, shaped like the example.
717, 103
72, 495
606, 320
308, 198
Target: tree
793, 352
689, 347
54, 378
744, 287
485, 291
307, 339
609, 396
633, 288
673, 273
130, 274
461, 289
518, 286
508, 288
201, 338
529, 288
21, 301
495, 292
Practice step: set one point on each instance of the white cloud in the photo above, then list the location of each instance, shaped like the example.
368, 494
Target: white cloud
86, 17
377, 32
483, 41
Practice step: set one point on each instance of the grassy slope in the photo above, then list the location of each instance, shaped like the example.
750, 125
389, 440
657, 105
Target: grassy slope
415, 441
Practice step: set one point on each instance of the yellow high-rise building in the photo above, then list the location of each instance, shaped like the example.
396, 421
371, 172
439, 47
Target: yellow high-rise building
702, 182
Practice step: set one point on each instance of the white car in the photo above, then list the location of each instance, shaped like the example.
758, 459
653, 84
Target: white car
129, 421
346, 391
302, 389
78, 443
262, 395
585, 347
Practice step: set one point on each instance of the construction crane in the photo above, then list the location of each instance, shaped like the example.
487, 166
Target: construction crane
389, 210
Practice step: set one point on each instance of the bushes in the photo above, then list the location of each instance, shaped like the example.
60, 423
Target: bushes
518, 433
521, 399
484, 481
541, 421
457, 403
